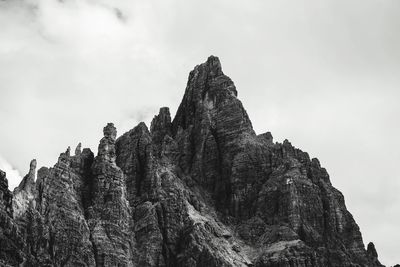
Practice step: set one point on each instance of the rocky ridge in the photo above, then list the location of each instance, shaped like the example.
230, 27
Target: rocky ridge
199, 190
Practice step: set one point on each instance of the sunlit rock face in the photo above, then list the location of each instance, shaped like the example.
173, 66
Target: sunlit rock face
24, 194
201, 189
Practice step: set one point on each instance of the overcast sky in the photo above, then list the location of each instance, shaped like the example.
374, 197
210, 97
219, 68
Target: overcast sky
323, 74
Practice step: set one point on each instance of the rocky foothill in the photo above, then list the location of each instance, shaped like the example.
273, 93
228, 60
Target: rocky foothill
201, 189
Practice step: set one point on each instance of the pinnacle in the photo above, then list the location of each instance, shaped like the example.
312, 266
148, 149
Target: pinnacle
371, 250
162, 120
32, 166
110, 131
28, 181
213, 61
164, 110
214, 66
78, 149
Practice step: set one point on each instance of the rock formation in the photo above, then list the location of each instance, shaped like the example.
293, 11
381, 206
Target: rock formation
199, 190
24, 194
11, 239
109, 213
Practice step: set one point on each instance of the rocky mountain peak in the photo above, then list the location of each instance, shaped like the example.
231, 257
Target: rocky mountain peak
209, 93
110, 131
161, 121
161, 125
28, 182
199, 190
106, 148
24, 193
214, 66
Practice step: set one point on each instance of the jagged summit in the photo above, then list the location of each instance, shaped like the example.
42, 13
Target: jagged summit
78, 149
24, 193
213, 66
201, 189
29, 180
110, 131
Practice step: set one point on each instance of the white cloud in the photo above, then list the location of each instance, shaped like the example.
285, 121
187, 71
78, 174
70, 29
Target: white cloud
12, 174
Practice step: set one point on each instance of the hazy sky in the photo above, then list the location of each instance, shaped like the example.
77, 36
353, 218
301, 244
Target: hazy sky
323, 74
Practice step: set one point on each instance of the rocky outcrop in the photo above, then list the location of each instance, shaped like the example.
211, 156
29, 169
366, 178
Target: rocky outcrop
211, 128
5, 195
24, 194
372, 254
109, 214
199, 190
11, 239
61, 212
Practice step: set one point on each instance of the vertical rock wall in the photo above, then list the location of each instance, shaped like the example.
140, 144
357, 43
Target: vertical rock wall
109, 214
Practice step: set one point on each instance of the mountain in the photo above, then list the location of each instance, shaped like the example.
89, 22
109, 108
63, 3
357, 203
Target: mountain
199, 190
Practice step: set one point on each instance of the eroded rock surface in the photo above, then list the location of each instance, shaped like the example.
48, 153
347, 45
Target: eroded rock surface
199, 190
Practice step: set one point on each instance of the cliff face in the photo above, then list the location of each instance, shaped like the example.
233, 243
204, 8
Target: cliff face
200, 190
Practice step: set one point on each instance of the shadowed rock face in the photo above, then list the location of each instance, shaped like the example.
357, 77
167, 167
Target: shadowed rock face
199, 190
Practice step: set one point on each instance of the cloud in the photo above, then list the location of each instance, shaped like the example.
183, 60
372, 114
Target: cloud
12, 174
